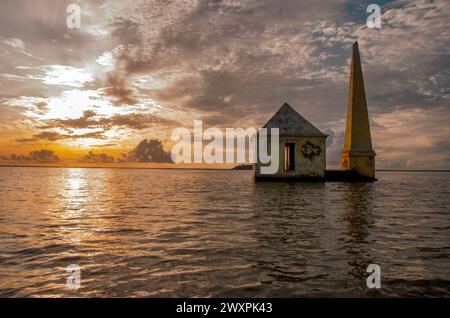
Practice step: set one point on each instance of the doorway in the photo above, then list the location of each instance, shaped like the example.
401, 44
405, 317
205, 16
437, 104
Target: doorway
289, 156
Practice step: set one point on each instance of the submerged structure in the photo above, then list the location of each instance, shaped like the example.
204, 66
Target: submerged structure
302, 147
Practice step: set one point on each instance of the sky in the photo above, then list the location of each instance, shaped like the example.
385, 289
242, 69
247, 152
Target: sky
115, 88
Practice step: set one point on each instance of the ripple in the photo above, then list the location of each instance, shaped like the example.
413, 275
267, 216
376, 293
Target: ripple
160, 233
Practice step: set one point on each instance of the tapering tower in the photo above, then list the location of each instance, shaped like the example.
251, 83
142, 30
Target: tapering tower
358, 154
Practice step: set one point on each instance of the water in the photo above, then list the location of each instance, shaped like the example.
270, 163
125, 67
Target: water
219, 234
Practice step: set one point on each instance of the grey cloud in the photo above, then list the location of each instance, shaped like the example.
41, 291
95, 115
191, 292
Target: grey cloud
41, 26
54, 136
148, 151
38, 29
117, 87
126, 30
89, 119
39, 156
92, 157
11, 115
243, 48
441, 146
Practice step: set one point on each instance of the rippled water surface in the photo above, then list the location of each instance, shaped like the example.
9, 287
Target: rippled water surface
218, 233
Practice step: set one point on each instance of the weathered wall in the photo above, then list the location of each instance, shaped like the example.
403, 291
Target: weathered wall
309, 158
363, 165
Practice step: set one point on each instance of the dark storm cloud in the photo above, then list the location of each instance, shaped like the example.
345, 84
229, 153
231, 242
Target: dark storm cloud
148, 151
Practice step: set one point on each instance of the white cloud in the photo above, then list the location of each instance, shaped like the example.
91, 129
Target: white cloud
66, 75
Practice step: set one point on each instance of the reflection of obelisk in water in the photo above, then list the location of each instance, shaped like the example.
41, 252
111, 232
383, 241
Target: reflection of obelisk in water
358, 218
358, 154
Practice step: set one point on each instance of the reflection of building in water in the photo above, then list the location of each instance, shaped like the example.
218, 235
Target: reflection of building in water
289, 243
302, 146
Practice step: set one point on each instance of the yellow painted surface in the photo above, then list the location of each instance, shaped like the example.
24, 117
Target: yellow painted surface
358, 154
364, 165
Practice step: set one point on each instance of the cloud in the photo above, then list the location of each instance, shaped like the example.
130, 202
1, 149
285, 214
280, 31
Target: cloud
54, 136
413, 138
100, 124
41, 107
226, 57
39, 156
335, 145
89, 119
138, 121
230, 63
148, 151
117, 88
97, 158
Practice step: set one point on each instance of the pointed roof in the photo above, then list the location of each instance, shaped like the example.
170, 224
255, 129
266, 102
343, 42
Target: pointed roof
357, 132
292, 123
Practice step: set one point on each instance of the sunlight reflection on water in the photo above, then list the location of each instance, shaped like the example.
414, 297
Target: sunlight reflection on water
218, 233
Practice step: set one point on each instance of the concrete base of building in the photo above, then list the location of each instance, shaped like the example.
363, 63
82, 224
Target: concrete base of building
330, 175
289, 178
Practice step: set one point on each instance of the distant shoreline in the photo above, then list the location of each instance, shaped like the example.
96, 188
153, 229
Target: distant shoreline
411, 170
177, 168
111, 167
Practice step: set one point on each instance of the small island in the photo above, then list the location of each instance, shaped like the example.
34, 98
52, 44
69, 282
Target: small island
243, 167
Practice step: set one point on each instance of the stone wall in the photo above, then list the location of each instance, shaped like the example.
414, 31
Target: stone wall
310, 154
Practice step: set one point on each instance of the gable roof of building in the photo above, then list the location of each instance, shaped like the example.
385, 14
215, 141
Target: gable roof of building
291, 123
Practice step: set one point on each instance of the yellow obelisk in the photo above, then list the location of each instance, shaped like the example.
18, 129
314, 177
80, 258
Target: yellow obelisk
358, 154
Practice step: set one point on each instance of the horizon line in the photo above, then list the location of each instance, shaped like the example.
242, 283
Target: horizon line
104, 166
